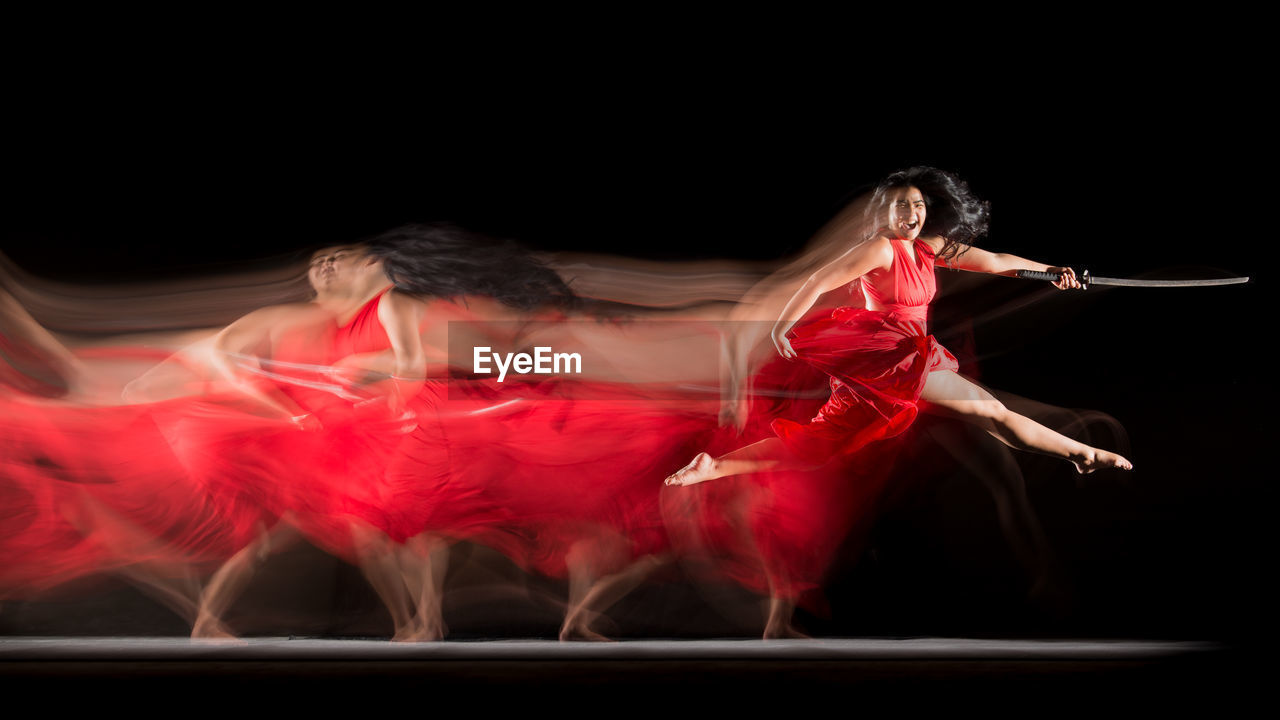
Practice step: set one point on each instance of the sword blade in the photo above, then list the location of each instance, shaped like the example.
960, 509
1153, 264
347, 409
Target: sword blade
1086, 279
1125, 282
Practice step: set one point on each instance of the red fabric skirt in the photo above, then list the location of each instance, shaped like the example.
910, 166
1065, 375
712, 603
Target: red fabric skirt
542, 472
777, 533
878, 363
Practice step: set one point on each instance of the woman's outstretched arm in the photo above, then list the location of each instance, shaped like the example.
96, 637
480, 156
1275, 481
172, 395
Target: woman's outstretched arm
876, 253
975, 259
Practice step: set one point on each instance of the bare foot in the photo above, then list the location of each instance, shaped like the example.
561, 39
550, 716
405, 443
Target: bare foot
700, 469
783, 630
1096, 459
577, 626
416, 636
433, 629
418, 630
210, 628
777, 624
580, 631
410, 632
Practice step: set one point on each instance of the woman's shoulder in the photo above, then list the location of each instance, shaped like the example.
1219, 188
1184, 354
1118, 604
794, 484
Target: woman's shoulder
933, 243
878, 247
397, 303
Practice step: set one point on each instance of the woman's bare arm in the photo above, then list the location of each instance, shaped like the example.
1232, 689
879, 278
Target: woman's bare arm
401, 317
250, 337
975, 259
874, 254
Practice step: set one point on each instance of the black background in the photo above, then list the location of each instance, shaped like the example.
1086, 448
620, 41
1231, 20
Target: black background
129, 163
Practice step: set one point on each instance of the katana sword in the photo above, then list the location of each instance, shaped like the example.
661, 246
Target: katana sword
1086, 280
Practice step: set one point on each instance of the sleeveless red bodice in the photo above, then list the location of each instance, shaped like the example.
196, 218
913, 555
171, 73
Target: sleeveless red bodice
906, 287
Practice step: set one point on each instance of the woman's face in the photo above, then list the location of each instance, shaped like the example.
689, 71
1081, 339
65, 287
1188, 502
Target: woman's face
906, 212
336, 267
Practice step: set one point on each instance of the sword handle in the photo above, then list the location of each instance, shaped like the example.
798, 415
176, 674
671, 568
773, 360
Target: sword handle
1083, 277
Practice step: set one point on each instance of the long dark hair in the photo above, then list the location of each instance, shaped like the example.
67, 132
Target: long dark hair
443, 260
953, 211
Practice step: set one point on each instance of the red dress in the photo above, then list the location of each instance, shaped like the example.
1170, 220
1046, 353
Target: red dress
777, 532
878, 360
186, 483
533, 470
340, 460
539, 471
91, 489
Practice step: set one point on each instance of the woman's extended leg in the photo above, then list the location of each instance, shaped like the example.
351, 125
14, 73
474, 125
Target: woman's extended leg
952, 395
231, 579
767, 454
585, 605
377, 558
584, 562
424, 559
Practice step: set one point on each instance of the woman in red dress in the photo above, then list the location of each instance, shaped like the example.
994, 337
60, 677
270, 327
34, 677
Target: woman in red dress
148, 491
392, 462
883, 365
556, 474
318, 419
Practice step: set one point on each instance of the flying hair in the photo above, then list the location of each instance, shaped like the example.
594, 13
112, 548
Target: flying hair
954, 212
